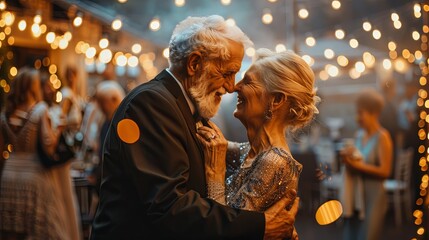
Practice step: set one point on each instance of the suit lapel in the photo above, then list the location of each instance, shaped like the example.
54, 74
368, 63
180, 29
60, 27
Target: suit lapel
172, 86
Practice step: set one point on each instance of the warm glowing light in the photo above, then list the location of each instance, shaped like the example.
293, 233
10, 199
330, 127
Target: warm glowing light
400, 65
37, 19
35, 29
68, 36
397, 24
128, 131
11, 40
376, 34
395, 17
63, 43
77, 21
416, 35
53, 69
309, 60
155, 24
354, 74
406, 53
22, 25
303, 13
354, 43
387, 64
179, 3
340, 34
105, 56
342, 61
2, 5
90, 53
336, 4
122, 1
417, 7
280, 48
166, 52
392, 46
121, 60
368, 59
310, 41
421, 231
329, 212
360, 67
117, 24
422, 80
13, 71
136, 48
58, 97
329, 53
333, 71
393, 54
133, 61
367, 26
9, 18
323, 75
103, 43
225, 2
418, 54
267, 18
250, 51
50, 37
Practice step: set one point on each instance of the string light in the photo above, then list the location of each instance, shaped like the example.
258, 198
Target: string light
353, 43
225, 2
397, 24
310, 41
105, 56
2, 5
342, 61
77, 21
117, 24
179, 3
366, 26
9, 18
303, 13
336, 4
133, 61
267, 18
37, 19
416, 35
155, 24
136, 48
417, 10
103, 43
394, 16
387, 64
340, 34
309, 60
360, 67
329, 53
50, 37
230, 22
166, 52
376, 34
22, 25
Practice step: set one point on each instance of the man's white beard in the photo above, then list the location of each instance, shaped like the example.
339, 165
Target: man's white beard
206, 104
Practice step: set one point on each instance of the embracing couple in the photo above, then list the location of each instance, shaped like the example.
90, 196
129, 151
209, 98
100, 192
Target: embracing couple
181, 179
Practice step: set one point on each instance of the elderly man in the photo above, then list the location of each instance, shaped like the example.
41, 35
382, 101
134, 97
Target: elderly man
154, 184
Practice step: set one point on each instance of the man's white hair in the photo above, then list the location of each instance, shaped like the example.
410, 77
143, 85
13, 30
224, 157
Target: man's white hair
208, 35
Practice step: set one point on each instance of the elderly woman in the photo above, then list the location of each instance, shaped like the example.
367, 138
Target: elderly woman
368, 164
276, 95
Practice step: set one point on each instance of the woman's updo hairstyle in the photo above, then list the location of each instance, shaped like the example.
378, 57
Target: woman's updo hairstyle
288, 73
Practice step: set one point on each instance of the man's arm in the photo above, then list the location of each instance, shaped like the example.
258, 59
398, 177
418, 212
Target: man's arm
159, 167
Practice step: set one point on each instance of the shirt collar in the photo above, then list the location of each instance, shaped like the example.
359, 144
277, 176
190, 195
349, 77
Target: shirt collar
188, 100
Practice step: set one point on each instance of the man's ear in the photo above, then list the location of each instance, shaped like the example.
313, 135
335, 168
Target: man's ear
194, 63
277, 100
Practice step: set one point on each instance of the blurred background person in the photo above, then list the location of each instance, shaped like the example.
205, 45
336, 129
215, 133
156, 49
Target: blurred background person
27, 188
367, 165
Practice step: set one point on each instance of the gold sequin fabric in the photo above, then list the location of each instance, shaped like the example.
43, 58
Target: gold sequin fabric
264, 182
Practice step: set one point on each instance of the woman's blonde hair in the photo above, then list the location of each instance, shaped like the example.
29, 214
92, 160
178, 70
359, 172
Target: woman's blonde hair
288, 73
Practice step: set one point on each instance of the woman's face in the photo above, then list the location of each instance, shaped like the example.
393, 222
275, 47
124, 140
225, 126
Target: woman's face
252, 99
364, 118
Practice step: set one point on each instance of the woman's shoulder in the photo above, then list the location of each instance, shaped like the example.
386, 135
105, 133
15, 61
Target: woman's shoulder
281, 158
384, 135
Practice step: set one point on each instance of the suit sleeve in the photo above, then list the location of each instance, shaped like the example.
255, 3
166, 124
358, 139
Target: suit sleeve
159, 167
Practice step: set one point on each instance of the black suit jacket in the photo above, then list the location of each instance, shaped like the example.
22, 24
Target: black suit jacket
155, 188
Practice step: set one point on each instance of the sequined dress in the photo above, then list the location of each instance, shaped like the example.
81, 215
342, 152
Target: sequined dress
265, 181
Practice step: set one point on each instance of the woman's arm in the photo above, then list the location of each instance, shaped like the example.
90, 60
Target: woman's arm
384, 154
